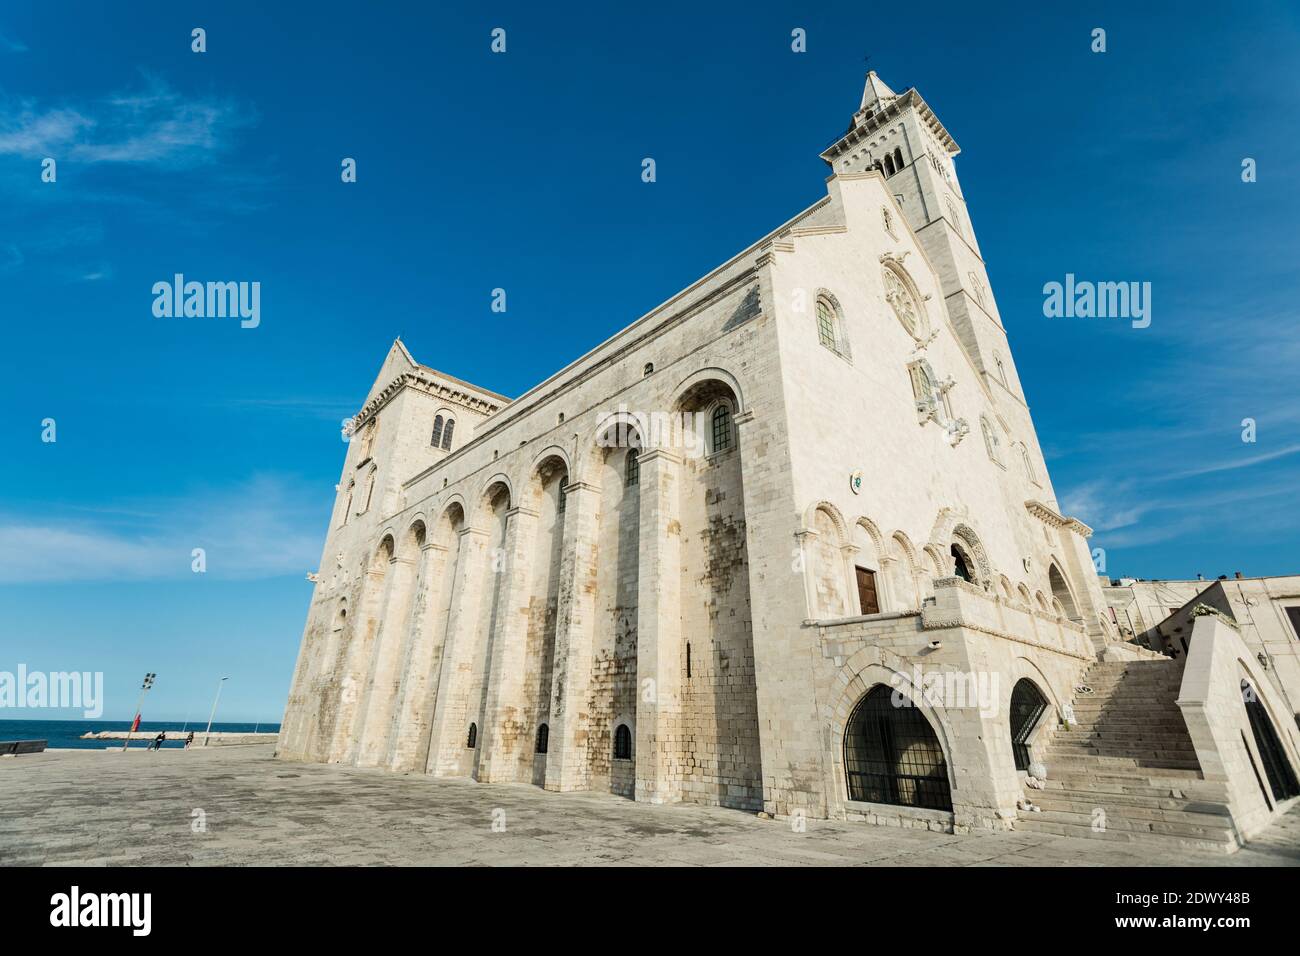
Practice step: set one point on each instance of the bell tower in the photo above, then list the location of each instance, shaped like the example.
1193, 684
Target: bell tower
899, 135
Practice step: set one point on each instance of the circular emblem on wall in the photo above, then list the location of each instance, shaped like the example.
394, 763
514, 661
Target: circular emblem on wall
855, 482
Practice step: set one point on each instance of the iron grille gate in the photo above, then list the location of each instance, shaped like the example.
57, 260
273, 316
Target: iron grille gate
1281, 778
1027, 706
891, 755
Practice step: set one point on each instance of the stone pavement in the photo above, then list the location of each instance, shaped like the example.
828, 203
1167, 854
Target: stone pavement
96, 807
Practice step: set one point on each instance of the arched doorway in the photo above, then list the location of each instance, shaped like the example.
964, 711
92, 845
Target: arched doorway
1061, 591
1027, 706
1281, 777
961, 563
891, 755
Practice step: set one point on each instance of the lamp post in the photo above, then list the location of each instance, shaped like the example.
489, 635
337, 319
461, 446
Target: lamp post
144, 688
208, 733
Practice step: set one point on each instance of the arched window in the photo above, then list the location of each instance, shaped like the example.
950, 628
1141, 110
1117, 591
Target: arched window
368, 440
472, 740
632, 467
1028, 465
1027, 706
898, 159
446, 434
543, 738
1281, 776
649, 368
961, 564
826, 323
1002, 369
891, 754
622, 743
992, 443
562, 501
953, 215
889, 165
436, 442
721, 428
977, 288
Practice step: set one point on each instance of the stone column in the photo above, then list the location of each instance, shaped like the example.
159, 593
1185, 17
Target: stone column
448, 736
507, 726
413, 715
381, 684
355, 655
568, 766
659, 632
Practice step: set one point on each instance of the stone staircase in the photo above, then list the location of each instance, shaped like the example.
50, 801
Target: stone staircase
1127, 770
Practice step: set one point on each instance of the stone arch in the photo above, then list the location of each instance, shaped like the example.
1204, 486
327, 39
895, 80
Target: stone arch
833, 513
614, 434
1024, 594
384, 551
708, 378
1008, 592
1027, 705
867, 669
493, 488
1041, 600
826, 551
870, 555
903, 571
415, 535
551, 464
1062, 593
872, 531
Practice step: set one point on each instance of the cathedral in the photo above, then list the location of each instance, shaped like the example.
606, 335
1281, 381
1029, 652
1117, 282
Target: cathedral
785, 544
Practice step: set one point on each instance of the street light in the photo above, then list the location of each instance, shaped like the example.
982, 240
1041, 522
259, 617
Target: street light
208, 733
148, 683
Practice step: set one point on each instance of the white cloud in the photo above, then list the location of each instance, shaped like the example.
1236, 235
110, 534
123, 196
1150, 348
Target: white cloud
157, 126
265, 527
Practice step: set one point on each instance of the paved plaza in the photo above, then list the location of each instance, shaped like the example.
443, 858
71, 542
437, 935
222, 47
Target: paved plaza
91, 807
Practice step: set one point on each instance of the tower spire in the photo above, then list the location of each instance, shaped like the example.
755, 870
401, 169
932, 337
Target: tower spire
876, 93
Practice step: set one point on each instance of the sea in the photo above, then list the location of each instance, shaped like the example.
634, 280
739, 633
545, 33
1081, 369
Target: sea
66, 734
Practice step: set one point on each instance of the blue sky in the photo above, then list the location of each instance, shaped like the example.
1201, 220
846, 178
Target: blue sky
522, 171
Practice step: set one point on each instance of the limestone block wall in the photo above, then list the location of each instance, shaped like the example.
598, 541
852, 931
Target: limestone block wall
1210, 698
613, 689
856, 412
719, 721
963, 687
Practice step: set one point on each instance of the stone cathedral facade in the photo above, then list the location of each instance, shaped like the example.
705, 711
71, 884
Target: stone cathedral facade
786, 543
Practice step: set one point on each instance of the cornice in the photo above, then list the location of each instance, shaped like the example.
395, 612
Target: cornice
1056, 520
429, 385
866, 124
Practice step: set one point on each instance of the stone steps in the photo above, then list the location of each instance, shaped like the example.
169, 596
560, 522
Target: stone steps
1151, 798
1064, 764
1128, 756
1134, 816
1221, 841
